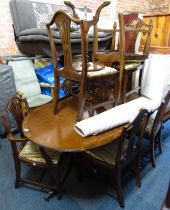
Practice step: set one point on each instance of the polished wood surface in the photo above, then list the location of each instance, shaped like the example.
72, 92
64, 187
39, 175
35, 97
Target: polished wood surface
160, 37
57, 132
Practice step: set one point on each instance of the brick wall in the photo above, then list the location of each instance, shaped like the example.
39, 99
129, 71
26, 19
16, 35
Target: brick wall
7, 43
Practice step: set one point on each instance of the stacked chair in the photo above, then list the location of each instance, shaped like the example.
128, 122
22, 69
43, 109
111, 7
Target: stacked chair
83, 71
116, 56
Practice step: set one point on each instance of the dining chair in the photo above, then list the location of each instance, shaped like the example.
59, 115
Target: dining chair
26, 152
127, 62
153, 131
82, 71
121, 153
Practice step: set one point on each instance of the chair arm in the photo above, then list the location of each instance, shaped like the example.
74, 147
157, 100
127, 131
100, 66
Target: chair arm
46, 85
13, 138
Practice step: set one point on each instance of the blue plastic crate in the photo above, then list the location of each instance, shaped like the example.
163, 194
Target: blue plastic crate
46, 74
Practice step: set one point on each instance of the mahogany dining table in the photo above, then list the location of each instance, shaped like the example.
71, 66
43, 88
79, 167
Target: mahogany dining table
56, 132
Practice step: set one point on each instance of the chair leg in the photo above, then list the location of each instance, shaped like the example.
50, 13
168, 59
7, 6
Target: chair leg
119, 189
137, 174
81, 105
18, 173
115, 88
125, 82
152, 152
160, 141
140, 80
56, 95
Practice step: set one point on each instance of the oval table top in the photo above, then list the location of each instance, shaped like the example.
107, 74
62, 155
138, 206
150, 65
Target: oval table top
57, 132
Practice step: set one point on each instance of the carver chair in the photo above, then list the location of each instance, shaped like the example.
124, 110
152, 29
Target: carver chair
126, 62
26, 82
26, 152
122, 152
153, 131
83, 71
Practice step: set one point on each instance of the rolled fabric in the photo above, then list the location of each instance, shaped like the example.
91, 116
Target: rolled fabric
114, 117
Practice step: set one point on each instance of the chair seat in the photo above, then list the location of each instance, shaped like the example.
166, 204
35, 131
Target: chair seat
38, 100
104, 72
107, 153
149, 125
135, 56
32, 153
130, 66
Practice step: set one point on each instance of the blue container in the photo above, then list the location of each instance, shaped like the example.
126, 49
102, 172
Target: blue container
46, 74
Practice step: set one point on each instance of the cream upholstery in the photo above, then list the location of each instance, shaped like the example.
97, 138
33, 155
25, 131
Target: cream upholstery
130, 66
27, 83
31, 152
105, 71
149, 125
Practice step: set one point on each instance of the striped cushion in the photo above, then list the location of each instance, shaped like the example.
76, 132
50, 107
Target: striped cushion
32, 153
106, 153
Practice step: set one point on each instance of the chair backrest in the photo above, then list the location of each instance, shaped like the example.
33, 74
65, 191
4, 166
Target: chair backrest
14, 109
130, 142
25, 78
133, 29
160, 114
63, 22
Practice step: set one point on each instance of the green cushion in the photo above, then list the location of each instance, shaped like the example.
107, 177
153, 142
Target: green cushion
32, 153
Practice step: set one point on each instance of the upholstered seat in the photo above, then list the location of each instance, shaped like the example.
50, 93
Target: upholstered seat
107, 153
149, 126
105, 71
130, 66
31, 152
